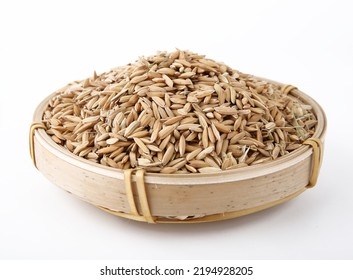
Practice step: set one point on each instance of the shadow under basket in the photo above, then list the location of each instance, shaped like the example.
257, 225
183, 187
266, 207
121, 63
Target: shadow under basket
181, 198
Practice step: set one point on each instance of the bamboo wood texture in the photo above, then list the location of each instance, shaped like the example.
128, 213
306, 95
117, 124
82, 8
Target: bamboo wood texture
159, 198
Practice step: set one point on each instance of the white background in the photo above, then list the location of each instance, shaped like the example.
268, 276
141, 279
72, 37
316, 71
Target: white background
44, 45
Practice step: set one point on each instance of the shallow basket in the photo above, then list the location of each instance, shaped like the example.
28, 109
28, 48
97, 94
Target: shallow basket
181, 198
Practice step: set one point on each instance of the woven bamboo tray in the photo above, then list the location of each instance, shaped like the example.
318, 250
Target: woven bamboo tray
181, 198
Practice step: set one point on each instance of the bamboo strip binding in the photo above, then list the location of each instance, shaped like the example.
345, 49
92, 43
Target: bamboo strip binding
32, 130
288, 88
142, 196
317, 147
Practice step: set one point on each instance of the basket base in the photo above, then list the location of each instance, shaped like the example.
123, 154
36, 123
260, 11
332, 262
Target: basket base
209, 218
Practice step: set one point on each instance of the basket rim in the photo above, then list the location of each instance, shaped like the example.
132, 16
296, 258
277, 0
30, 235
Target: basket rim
189, 179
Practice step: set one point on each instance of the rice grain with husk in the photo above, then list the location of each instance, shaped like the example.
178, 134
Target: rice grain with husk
178, 112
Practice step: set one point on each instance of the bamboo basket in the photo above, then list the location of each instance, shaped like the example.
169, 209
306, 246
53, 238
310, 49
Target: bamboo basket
181, 198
